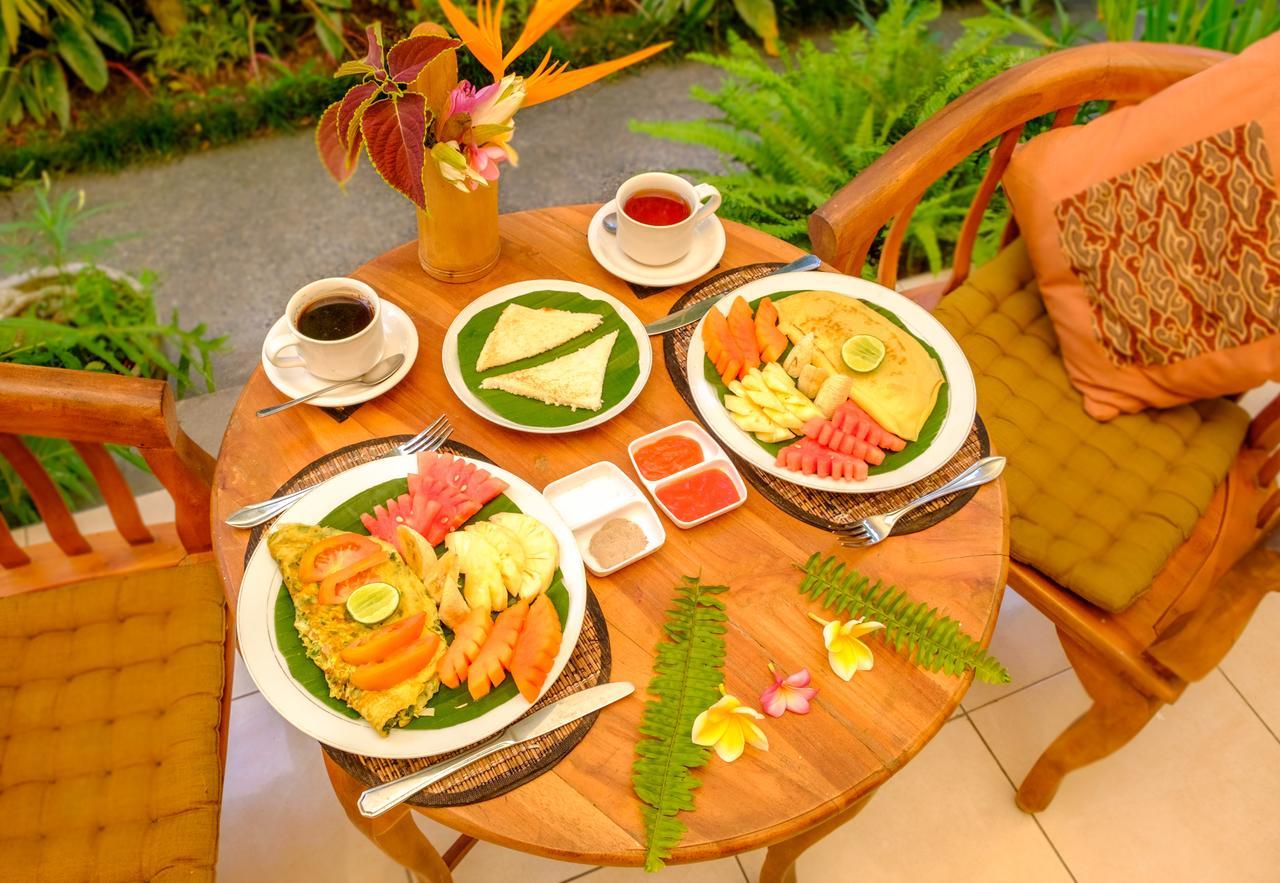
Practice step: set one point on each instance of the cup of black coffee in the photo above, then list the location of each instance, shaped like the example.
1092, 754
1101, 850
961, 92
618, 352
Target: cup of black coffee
336, 327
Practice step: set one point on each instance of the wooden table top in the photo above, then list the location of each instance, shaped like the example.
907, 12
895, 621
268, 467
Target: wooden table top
584, 810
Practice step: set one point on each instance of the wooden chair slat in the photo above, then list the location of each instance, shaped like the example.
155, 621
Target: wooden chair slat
1065, 116
56, 515
978, 208
115, 492
11, 554
1264, 425
887, 272
187, 473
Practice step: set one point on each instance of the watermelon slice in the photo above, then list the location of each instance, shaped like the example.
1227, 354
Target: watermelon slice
852, 420
811, 458
825, 433
443, 495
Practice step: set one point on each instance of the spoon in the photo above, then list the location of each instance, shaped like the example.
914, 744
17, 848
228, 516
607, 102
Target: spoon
611, 222
375, 375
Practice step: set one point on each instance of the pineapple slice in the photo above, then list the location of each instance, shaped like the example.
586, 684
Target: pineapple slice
757, 423
784, 389
758, 391
784, 418
776, 434
810, 380
739, 405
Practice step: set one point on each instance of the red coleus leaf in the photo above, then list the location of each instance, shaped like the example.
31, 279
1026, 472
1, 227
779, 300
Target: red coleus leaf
395, 134
408, 57
339, 158
351, 108
374, 57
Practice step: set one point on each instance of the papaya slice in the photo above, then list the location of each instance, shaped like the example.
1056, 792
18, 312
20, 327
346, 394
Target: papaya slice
489, 668
536, 648
742, 326
468, 638
771, 340
722, 346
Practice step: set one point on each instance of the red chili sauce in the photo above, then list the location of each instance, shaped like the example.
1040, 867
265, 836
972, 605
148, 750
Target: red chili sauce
702, 493
657, 208
667, 456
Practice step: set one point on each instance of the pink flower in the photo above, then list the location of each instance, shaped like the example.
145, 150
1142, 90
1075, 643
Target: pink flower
790, 693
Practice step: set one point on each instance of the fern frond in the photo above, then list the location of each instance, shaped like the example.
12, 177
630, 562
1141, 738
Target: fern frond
913, 628
688, 669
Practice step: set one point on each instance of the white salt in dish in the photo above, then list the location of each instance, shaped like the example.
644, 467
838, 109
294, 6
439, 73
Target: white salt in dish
590, 497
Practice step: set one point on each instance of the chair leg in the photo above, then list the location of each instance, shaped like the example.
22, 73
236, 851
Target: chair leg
395, 833
1118, 713
780, 859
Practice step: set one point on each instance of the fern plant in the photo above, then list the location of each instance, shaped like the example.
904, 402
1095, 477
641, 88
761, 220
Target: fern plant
688, 669
794, 132
910, 627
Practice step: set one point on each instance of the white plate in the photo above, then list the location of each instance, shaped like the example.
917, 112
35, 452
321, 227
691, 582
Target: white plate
962, 406
708, 248
255, 615
453, 369
400, 337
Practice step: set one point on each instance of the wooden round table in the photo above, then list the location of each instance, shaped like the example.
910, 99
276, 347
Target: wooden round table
821, 767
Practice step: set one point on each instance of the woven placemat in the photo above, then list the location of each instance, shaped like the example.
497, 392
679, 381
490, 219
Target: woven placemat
590, 664
821, 508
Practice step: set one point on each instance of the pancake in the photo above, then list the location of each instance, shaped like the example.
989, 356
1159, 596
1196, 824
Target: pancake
900, 394
326, 629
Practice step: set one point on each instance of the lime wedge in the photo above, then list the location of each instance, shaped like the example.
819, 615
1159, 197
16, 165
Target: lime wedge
373, 602
863, 353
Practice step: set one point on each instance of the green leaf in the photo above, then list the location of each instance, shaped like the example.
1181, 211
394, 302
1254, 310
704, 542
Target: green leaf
111, 27
688, 669
620, 375
450, 706
81, 53
49, 88
912, 628
329, 35
763, 19
893, 459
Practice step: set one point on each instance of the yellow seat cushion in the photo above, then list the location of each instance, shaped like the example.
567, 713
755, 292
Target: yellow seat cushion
110, 705
1098, 507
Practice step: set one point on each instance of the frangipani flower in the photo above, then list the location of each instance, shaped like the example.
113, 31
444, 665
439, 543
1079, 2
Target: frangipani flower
845, 651
728, 727
790, 693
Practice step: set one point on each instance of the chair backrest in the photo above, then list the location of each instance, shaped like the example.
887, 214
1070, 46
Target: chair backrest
844, 228
91, 410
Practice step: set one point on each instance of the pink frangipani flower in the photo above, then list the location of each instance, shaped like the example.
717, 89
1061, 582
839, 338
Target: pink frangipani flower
790, 693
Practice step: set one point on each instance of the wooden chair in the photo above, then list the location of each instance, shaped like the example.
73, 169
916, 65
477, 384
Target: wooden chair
115, 648
1134, 661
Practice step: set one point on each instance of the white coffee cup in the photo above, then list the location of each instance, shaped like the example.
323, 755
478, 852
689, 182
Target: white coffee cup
657, 245
340, 359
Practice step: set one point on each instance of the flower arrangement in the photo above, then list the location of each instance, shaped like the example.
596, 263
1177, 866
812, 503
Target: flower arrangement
410, 110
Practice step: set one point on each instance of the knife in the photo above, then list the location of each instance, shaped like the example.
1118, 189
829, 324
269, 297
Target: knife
380, 798
702, 307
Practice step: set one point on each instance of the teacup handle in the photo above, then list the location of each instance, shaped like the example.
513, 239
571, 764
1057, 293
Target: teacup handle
276, 347
708, 207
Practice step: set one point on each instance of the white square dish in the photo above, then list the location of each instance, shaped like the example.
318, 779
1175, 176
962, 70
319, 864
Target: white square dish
592, 496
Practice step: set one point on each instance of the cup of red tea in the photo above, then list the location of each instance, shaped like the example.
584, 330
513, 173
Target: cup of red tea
335, 325
658, 216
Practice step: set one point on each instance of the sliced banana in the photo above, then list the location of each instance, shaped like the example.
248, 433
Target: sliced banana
834, 392
541, 551
478, 560
810, 380
511, 552
801, 354
415, 550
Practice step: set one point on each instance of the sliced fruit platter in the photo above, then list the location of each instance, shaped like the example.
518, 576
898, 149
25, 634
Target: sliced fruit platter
846, 387
410, 606
547, 356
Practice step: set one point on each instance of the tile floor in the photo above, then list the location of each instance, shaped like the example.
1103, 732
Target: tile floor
1195, 797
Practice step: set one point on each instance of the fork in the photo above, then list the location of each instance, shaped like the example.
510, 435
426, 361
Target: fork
874, 528
254, 514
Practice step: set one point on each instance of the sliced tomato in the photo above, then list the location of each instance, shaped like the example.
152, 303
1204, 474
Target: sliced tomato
335, 587
334, 553
381, 643
399, 666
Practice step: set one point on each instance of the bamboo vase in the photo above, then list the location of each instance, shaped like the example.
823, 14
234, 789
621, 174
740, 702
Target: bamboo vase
458, 233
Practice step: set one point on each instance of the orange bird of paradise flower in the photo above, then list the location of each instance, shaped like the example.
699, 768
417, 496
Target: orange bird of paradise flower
551, 79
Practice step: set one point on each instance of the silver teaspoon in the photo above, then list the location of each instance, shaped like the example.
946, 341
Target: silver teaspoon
375, 375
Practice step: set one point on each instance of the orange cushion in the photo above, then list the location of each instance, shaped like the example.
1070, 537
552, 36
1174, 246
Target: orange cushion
1155, 236
110, 707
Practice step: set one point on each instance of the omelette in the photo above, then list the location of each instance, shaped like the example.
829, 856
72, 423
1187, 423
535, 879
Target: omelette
900, 394
326, 629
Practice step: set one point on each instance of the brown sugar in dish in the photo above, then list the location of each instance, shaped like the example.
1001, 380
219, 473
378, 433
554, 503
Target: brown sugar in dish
617, 540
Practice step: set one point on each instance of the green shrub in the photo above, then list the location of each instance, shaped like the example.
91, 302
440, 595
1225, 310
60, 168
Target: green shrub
793, 133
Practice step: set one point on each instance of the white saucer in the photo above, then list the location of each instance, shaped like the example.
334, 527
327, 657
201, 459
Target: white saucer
400, 337
708, 247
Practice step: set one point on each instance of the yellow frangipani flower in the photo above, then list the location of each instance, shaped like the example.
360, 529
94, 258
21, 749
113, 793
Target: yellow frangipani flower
846, 653
728, 727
